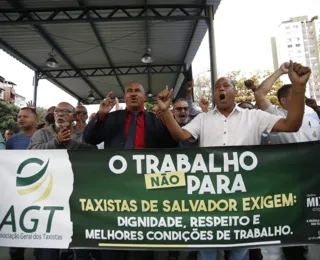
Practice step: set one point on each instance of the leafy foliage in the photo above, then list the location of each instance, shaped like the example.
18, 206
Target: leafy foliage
8, 117
150, 104
202, 86
258, 76
41, 111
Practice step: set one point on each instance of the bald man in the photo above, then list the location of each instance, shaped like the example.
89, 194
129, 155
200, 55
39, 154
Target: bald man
62, 134
132, 128
81, 117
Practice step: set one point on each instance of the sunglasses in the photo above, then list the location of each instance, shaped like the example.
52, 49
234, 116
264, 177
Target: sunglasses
182, 108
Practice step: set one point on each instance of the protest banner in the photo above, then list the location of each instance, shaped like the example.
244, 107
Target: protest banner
172, 198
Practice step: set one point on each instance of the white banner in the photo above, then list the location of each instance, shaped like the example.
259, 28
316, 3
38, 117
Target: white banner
35, 187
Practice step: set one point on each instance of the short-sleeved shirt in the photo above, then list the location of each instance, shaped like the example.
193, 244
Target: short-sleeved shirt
241, 127
18, 142
308, 132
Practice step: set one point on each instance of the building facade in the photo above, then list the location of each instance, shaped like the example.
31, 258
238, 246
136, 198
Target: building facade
8, 94
299, 40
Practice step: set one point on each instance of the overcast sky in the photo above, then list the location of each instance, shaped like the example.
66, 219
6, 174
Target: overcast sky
242, 31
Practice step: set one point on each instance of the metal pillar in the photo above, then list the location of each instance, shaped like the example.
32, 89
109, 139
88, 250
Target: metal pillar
35, 87
213, 64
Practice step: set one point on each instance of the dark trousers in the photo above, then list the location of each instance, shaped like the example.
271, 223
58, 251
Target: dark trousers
40, 254
294, 252
48, 254
255, 254
126, 255
16, 253
173, 255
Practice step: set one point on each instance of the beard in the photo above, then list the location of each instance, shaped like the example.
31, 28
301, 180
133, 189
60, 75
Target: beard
62, 124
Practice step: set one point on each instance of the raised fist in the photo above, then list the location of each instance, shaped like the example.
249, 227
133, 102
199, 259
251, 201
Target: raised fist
298, 74
250, 85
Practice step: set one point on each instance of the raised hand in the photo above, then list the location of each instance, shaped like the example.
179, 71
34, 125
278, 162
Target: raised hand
79, 123
298, 74
106, 105
165, 99
204, 104
250, 85
64, 135
311, 103
189, 86
284, 68
30, 104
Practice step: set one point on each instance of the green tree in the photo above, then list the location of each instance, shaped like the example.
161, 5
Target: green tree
41, 111
8, 117
202, 88
258, 76
150, 104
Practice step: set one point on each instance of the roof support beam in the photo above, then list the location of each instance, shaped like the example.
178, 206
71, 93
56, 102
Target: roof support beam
112, 71
101, 43
85, 14
189, 43
53, 44
30, 64
146, 31
212, 49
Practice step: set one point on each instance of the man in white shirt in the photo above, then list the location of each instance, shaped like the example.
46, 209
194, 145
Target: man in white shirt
229, 125
310, 128
309, 131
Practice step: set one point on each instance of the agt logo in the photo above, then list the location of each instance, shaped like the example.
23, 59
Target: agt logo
35, 183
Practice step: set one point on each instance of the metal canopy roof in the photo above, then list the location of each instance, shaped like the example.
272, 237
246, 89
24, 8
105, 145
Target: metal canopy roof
99, 43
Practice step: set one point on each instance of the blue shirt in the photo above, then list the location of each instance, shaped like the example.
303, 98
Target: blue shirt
2, 144
18, 142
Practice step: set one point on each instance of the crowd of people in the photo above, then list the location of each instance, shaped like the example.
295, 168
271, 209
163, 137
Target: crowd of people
176, 124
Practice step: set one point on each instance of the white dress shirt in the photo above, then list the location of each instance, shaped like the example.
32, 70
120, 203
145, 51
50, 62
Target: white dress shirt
241, 127
308, 132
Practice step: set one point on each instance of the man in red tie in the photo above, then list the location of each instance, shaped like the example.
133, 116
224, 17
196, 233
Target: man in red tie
132, 128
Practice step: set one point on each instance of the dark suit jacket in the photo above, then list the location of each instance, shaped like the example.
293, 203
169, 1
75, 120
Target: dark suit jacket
111, 131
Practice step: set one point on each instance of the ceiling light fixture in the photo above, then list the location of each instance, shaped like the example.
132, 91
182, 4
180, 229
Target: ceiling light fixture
149, 94
51, 62
147, 58
91, 97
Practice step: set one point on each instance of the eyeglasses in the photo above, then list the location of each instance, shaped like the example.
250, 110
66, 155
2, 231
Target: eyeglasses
63, 111
81, 112
182, 108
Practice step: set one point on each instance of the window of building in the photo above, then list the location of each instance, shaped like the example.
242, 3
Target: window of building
295, 26
297, 45
290, 46
298, 38
287, 27
289, 40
